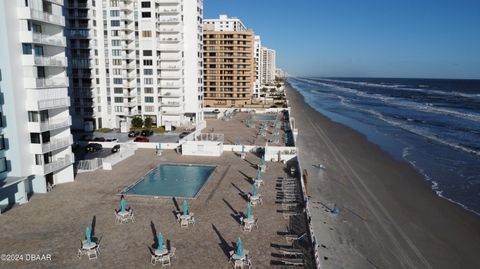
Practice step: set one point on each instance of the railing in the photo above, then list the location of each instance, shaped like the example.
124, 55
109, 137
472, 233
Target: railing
169, 30
58, 164
171, 104
52, 60
45, 17
50, 40
169, 10
53, 103
172, 20
51, 82
58, 2
52, 125
55, 144
89, 165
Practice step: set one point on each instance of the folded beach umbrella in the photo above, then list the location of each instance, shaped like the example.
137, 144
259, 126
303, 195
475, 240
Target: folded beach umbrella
263, 159
88, 235
160, 241
123, 204
243, 148
185, 207
254, 190
249, 211
259, 174
239, 247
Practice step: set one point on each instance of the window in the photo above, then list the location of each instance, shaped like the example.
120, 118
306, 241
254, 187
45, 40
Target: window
116, 43
118, 108
148, 99
114, 13
118, 90
146, 14
3, 164
114, 3
38, 51
149, 108
38, 159
40, 72
146, 33
115, 32
35, 138
47, 7
148, 90
27, 49
148, 71
147, 53
118, 100
117, 71
116, 52
117, 81
145, 4
117, 62
2, 143
115, 23
147, 62
148, 81
37, 28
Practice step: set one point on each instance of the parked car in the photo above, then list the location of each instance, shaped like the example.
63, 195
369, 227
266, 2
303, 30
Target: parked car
116, 148
93, 147
87, 138
99, 139
141, 139
111, 140
182, 135
133, 134
146, 132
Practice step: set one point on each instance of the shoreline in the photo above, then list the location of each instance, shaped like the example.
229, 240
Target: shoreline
385, 204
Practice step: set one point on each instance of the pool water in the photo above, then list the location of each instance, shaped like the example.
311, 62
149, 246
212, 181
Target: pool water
173, 180
265, 117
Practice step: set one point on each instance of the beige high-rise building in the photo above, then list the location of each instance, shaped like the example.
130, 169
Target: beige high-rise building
229, 66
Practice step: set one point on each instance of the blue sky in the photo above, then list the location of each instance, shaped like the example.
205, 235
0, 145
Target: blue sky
365, 38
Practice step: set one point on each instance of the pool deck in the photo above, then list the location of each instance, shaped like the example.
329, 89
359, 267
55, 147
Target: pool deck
54, 223
235, 129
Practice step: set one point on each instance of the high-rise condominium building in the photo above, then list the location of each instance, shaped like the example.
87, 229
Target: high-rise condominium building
268, 66
229, 64
135, 57
257, 50
35, 138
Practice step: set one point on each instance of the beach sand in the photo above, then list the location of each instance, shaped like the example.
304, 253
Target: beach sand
388, 215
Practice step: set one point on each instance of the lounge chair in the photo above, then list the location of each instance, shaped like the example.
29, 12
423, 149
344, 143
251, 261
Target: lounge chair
191, 220
172, 252
92, 254
166, 260
293, 237
293, 262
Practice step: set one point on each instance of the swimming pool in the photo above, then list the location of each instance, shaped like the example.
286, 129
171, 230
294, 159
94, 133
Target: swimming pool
172, 180
265, 117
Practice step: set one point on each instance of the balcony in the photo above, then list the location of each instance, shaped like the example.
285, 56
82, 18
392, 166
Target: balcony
58, 61
33, 103
170, 85
58, 164
170, 104
57, 2
169, 21
52, 40
168, 94
169, 47
39, 127
167, 11
28, 13
170, 76
32, 83
130, 104
79, 34
171, 112
54, 144
78, 5
169, 30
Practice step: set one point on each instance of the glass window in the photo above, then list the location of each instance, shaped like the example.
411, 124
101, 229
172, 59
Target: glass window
115, 23
146, 14
41, 72
148, 99
3, 164
118, 90
32, 116
118, 99
35, 138
147, 53
27, 49
145, 4
114, 13
147, 62
45, 137
117, 80
2, 142
148, 90
38, 51
148, 71
146, 33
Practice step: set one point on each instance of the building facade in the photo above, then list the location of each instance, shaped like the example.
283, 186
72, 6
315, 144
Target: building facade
135, 58
35, 140
229, 63
268, 66
257, 50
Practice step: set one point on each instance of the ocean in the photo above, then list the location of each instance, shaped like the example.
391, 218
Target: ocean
432, 124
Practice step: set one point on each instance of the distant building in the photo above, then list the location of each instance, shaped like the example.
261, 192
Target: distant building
35, 137
268, 66
258, 71
135, 58
229, 63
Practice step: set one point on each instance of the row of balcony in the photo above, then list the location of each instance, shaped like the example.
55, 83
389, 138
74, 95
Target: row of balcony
54, 144
43, 104
31, 83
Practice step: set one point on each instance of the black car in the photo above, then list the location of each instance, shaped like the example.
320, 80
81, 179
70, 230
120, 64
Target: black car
182, 135
93, 147
146, 133
116, 148
133, 134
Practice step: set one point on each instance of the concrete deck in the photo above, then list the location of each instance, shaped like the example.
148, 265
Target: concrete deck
236, 129
54, 223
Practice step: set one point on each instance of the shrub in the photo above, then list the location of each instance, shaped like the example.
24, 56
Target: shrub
148, 123
137, 122
103, 130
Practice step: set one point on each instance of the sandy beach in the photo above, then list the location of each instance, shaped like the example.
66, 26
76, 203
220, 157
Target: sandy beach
388, 215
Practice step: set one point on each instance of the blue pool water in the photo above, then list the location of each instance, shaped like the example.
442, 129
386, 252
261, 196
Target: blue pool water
173, 180
266, 117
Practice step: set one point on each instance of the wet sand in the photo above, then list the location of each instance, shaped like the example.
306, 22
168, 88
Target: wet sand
389, 217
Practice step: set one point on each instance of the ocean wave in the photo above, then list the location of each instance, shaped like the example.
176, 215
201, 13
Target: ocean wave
407, 88
400, 102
